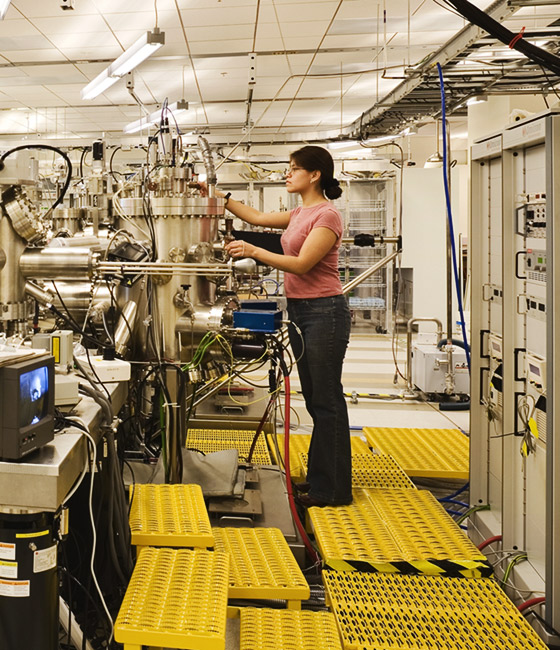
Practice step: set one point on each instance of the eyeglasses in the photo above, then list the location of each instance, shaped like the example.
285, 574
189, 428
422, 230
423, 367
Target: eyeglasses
291, 170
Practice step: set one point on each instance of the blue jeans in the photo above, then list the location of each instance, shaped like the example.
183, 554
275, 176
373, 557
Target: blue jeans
325, 329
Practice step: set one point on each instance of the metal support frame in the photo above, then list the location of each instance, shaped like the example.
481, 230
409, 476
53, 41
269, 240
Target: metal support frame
553, 383
499, 10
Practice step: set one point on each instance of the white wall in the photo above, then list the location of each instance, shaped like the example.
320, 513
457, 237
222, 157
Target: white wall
424, 235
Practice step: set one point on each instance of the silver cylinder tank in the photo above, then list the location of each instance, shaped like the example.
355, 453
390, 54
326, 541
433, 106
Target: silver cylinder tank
11, 281
185, 229
58, 263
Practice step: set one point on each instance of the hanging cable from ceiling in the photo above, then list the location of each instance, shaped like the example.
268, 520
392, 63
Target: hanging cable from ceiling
191, 60
311, 62
515, 41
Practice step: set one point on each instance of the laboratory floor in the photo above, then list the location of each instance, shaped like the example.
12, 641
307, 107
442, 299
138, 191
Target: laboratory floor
369, 368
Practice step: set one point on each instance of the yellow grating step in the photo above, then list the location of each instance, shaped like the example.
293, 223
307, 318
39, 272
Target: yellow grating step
211, 440
374, 471
386, 612
169, 515
395, 531
277, 629
177, 598
299, 444
261, 564
436, 453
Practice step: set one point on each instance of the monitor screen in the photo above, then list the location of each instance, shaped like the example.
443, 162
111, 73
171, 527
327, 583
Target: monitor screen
34, 396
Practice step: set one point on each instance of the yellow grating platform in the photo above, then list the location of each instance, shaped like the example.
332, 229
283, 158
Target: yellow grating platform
177, 598
211, 440
437, 453
277, 629
169, 515
395, 531
385, 612
375, 471
261, 564
299, 444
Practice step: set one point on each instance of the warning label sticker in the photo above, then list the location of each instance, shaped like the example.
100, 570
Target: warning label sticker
8, 569
44, 560
14, 588
7, 551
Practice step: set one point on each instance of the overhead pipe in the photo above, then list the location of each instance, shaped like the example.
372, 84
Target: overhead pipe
211, 178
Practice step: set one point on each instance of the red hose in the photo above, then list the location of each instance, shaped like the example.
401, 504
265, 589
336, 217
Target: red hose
308, 545
490, 540
530, 603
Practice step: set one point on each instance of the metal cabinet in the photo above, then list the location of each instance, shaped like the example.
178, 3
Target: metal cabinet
515, 457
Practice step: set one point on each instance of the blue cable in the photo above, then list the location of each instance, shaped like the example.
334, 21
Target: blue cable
462, 504
450, 217
457, 492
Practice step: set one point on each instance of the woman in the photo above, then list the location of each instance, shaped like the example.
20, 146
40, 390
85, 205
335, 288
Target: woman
318, 311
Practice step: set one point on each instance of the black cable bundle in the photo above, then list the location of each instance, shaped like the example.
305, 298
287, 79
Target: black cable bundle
515, 41
45, 147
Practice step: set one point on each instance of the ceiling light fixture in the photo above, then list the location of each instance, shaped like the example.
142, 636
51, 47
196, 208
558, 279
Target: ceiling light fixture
4, 4
144, 47
176, 108
435, 160
477, 99
341, 144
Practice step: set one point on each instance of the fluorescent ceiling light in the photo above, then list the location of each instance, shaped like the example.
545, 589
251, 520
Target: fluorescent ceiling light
144, 47
410, 130
4, 4
341, 144
144, 122
381, 138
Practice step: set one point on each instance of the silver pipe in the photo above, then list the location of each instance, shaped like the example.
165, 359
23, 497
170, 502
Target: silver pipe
370, 271
410, 323
163, 268
211, 178
78, 297
449, 376
40, 294
125, 327
76, 242
60, 263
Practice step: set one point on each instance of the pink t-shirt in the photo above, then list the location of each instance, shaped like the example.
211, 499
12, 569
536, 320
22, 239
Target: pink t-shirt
323, 279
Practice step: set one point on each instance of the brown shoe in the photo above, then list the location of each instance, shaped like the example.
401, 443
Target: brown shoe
308, 501
301, 488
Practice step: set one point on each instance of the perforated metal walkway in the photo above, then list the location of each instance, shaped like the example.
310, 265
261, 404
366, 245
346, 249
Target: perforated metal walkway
386, 612
169, 515
437, 453
211, 440
270, 629
262, 565
175, 599
395, 531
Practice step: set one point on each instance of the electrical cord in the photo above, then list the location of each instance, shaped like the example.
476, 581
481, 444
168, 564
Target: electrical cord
471, 511
84, 430
450, 217
516, 560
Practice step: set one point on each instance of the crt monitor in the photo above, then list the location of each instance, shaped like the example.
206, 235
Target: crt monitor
27, 406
